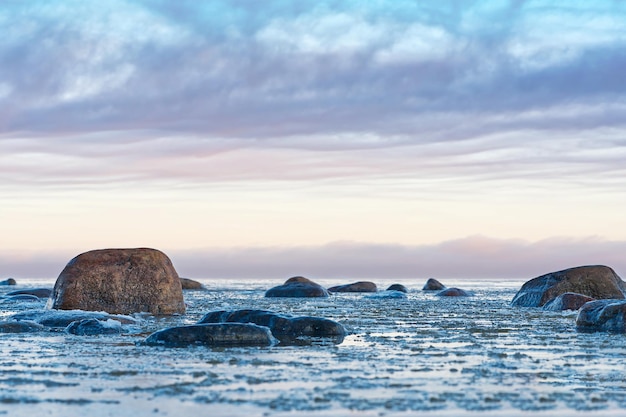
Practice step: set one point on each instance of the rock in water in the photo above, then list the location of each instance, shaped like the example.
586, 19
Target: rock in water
297, 287
92, 327
119, 281
567, 301
361, 286
289, 330
398, 287
433, 285
596, 281
190, 284
453, 292
37, 292
215, 335
8, 281
602, 315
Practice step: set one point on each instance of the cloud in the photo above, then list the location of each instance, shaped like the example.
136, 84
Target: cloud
471, 257
239, 70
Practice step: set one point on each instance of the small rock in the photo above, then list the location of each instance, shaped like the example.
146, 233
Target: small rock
190, 284
453, 292
361, 286
92, 327
602, 315
398, 287
25, 326
387, 294
63, 318
567, 301
24, 297
297, 287
433, 285
214, 335
8, 281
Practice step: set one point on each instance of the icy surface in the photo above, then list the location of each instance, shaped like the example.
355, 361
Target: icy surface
423, 355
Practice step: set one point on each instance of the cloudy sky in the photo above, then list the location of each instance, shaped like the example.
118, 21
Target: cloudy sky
348, 139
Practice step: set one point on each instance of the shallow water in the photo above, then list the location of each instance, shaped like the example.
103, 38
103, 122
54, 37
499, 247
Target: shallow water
438, 356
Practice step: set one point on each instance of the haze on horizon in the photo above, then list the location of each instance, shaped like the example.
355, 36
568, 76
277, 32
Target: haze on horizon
332, 139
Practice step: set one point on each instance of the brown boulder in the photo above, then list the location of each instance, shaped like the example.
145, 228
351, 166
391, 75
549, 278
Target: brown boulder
595, 281
119, 281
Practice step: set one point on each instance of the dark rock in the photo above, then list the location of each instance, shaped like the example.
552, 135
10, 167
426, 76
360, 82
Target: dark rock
63, 318
297, 287
190, 284
361, 286
567, 301
92, 327
217, 335
120, 281
37, 292
602, 315
285, 328
11, 326
433, 285
8, 281
597, 281
398, 287
453, 292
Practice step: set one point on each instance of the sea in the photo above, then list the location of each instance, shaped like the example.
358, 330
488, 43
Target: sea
423, 355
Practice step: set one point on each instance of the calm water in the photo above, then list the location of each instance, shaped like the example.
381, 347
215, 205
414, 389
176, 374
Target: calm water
455, 356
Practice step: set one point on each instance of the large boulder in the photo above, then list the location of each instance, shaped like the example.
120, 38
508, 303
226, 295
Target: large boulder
567, 301
287, 329
120, 281
602, 315
297, 287
433, 285
596, 281
361, 286
214, 335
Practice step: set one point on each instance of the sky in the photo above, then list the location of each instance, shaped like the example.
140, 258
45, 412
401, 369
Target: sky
331, 139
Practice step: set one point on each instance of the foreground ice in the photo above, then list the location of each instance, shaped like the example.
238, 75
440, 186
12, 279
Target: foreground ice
426, 354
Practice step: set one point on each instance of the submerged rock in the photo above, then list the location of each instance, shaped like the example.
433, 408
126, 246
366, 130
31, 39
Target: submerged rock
433, 285
287, 329
453, 292
216, 335
37, 292
360, 286
120, 281
23, 297
398, 287
297, 287
8, 281
602, 315
567, 301
190, 284
26, 326
92, 327
387, 294
597, 281
63, 318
